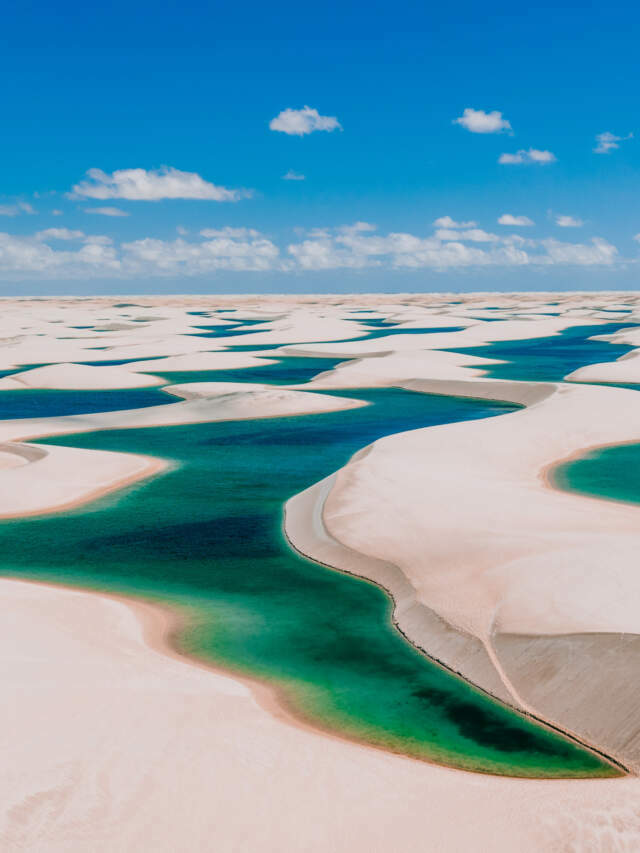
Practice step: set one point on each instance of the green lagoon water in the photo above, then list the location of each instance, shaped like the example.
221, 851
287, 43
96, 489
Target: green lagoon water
610, 472
207, 536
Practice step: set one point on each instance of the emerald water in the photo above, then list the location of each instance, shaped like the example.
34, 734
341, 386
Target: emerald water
207, 536
609, 472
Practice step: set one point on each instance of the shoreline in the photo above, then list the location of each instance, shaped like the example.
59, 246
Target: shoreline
162, 624
294, 543
276, 701
415, 620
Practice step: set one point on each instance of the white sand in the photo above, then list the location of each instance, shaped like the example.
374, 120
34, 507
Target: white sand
625, 370
111, 745
77, 377
125, 749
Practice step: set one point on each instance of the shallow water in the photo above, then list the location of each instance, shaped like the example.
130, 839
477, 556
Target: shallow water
610, 472
207, 535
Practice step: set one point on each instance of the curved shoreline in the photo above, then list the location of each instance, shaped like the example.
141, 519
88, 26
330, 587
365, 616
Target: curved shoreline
430, 631
384, 579
493, 390
291, 705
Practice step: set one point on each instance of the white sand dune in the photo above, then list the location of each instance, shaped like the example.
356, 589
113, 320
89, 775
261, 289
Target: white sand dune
126, 748
202, 361
113, 744
625, 370
484, 544
77, 377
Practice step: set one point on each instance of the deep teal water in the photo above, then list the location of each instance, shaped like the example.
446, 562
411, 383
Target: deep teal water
36, 402
550, 359
207, 536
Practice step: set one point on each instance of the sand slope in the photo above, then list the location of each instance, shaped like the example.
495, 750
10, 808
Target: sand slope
201, 765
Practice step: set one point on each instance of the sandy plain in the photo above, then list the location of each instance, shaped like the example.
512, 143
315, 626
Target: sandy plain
113, 743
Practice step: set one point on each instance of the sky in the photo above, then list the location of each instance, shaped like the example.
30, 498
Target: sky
189, 147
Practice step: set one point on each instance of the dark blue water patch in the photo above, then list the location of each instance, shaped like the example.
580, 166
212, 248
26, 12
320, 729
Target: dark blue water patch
47, 403
551, 358
114, 362
226, 331
487, 319
218, 332
430, 330
21, 368
288, 370
377, 322
252, 347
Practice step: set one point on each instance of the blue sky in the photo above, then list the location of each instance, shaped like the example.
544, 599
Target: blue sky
193, 88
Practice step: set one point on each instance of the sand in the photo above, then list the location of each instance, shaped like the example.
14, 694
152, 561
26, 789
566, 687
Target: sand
77, 377
113, 743
124, 747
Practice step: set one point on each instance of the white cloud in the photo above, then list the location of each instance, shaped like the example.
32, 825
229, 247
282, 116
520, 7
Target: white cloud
568, 221
16, 209
477, 121
302, 122
152, 185
293, 176
448, 222
475, 235
53, 254
599, 252
607, 141
446, 249
59, 234
510, 219
251, 252
532, 155
228, 231
106, 211
31, 257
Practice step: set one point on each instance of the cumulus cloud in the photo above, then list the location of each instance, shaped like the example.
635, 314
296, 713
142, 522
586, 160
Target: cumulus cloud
16, 208
250, 252
304, 121
531, 155
445, 249
565, 221
58, 253
59, 234
34, 258
448, 222
478, 121
106, 211
152, 185
228, 231
475, 235
510, 219
293, 176
607, 142
597, 252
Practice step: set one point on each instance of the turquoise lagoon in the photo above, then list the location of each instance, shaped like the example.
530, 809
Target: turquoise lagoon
206, 536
